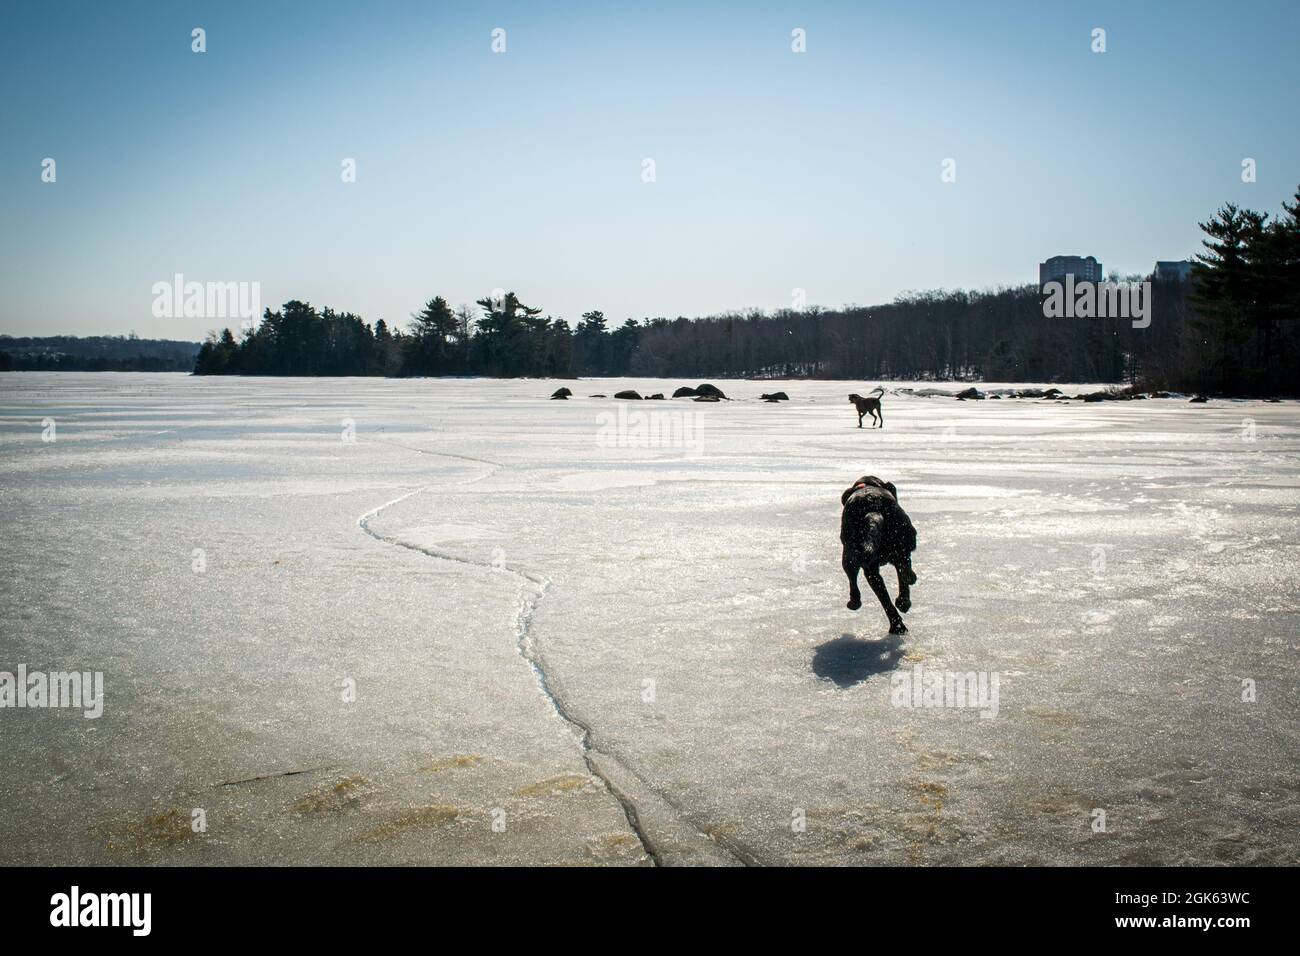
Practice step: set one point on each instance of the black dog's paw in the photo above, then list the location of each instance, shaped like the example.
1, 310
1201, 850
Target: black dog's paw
898, 627
904, 603
853, 605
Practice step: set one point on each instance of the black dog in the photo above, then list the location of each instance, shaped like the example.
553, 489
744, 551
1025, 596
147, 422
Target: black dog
874, 531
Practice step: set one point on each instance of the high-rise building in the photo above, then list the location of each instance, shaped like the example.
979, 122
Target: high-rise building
1180, 270
1083, 268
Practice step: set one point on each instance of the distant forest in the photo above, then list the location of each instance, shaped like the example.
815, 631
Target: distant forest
96, 353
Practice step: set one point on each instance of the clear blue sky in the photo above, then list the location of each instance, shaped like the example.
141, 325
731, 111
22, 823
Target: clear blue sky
522, 170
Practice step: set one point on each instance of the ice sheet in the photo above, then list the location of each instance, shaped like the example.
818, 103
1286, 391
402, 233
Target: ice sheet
584, 635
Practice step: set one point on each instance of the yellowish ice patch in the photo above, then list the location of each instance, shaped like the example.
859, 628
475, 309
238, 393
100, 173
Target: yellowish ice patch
339, 795
562, 783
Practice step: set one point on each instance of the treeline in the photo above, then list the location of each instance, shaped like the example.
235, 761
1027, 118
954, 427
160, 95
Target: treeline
941, 336
991, 336
96, 353
298, 340
1242, 331
1229, 328
508, 339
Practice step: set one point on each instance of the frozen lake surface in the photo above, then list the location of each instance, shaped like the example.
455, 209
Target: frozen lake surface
366, 621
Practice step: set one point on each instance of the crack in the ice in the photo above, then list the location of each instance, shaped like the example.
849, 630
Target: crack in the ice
524, 643
273, 776
738, 851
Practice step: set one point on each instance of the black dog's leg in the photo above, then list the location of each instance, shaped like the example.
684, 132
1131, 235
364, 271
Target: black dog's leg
896, 625
860, 414
850, 564
880, 411
906, 578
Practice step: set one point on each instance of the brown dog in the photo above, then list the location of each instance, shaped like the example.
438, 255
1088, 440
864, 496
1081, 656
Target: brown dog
870, 405
874, 530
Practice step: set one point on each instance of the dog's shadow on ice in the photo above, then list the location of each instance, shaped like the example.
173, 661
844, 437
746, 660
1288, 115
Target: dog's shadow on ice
849, 660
